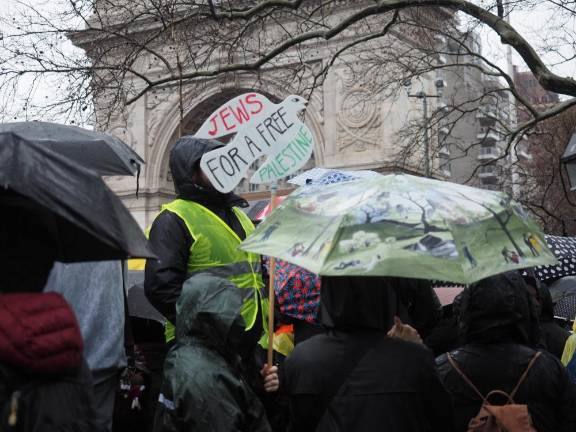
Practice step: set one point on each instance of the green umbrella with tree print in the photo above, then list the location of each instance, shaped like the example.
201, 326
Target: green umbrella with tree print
402, 225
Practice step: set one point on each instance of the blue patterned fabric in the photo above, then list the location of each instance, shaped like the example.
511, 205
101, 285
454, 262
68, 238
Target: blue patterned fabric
334, 177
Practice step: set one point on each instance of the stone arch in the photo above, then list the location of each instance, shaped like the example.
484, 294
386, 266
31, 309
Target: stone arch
202, 104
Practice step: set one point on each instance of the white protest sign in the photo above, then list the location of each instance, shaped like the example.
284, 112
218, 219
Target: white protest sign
261, 128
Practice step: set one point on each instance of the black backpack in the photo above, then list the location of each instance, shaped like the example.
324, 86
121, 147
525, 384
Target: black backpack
33, 405
15, 394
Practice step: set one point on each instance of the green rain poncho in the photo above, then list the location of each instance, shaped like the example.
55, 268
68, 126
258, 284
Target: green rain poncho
203, 389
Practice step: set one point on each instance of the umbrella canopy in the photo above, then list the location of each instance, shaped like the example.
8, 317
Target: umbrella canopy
401, 225
297, 291
316, 176
100, 152
564, 248
563, 292
566, 308
92, 223
138, 304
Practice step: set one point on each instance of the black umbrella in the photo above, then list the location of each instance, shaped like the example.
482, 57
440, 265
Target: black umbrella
92, 223
565, 250
101, 152
139, 306
563, 292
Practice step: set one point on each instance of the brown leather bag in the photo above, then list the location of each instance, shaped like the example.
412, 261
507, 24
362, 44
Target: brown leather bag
511, 417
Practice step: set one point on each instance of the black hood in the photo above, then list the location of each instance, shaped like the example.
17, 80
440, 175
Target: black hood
499, 309
542, 294
184, 161
355, 303
546, 304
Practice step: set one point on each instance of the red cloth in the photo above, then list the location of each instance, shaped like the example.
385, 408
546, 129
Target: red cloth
39, 333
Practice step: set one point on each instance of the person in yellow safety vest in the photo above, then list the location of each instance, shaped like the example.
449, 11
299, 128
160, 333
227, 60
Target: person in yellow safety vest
199, 232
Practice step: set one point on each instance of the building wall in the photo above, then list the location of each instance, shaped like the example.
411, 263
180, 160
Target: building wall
527, 86
537, 147
471, 150
354, 121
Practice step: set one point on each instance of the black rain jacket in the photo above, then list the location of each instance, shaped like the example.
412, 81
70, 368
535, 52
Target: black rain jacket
554, 337
169, 237
353, 377
498, 322
203, 389
48, 386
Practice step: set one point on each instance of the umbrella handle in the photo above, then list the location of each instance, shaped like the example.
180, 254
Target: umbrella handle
271, 294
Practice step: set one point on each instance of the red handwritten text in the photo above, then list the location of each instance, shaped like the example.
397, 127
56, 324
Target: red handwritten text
232, 115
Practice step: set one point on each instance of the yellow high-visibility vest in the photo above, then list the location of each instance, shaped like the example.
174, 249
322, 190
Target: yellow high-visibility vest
215, 251
570, 347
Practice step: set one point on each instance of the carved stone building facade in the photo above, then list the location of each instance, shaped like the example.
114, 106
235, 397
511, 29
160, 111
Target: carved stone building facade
352, 120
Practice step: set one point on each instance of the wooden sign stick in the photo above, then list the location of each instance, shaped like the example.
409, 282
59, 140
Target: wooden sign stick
271, 293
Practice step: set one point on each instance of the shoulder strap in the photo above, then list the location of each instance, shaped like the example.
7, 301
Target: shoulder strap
464, 377
525, 374
467, 380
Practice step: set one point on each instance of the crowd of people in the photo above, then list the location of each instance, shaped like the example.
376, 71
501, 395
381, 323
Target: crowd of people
383, 354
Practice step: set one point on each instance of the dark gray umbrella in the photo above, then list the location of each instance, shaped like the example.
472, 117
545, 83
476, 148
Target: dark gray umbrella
100, 152
563, 292
91, 222
139, 306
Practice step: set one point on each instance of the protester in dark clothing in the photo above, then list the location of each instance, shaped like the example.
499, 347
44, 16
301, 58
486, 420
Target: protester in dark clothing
303, 330
44, 382
499, 325
94, 290
203, 388
444, 337
420, 301
354, 377
554, 336
179, 251
169, 237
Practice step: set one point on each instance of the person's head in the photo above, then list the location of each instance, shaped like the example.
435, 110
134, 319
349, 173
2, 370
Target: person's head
357, 302
28, 246
499, 309
208, 310
185, 163
541, 295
